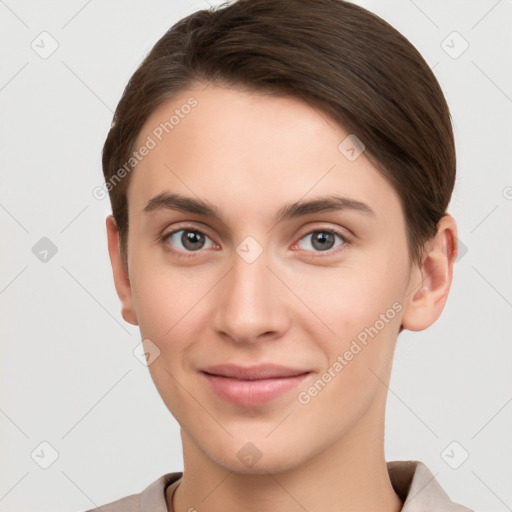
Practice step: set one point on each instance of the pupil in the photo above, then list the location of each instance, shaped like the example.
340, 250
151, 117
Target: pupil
324, 239
192, 240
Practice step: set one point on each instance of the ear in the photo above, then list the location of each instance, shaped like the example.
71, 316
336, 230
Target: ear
430, 280
120, 272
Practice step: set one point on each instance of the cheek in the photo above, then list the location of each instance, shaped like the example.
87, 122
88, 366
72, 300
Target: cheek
362, 305
164, 296
364, 311
174, 312
351, 299
169, 306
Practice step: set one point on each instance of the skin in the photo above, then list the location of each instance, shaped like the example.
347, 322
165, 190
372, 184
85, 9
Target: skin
296, 304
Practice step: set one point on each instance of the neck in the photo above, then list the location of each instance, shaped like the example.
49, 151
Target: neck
349, 475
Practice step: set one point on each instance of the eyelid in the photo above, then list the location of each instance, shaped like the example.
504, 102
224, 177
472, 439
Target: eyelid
346, 238
344, 233
200, 228
183, 227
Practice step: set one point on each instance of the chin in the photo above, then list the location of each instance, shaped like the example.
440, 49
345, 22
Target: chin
249, 459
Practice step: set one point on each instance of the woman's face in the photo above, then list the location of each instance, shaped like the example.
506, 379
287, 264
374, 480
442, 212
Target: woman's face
318, 290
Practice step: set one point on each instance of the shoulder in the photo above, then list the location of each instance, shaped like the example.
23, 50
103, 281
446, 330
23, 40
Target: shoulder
151, 499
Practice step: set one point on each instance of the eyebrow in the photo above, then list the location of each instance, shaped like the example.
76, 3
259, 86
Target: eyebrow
167, 201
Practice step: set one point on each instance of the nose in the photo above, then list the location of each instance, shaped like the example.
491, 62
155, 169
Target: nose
251, 304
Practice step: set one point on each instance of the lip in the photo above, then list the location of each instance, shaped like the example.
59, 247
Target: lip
253, 385
255, 372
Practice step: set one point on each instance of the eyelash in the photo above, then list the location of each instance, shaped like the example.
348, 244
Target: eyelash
189, 254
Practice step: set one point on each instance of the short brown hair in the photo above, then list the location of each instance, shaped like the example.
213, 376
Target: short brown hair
334, 55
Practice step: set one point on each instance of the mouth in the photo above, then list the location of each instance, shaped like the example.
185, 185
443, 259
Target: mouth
252, 386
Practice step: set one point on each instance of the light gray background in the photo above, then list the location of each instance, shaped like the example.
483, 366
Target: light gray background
68, 374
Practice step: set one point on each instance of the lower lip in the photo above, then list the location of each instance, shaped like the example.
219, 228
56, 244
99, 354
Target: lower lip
250, 393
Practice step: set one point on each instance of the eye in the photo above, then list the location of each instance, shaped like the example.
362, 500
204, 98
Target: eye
187, 240
322, 240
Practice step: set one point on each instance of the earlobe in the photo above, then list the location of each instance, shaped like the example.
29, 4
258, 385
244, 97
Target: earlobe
430, 281
120, 272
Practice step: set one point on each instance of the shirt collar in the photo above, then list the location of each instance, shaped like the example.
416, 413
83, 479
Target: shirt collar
412, 481
417, 487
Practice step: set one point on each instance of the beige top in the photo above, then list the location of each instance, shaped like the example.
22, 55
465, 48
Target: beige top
412, 481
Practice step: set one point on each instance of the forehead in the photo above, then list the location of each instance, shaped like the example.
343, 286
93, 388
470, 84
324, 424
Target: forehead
219, 142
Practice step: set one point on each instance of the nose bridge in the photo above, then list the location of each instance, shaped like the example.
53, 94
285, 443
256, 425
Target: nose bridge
250, 304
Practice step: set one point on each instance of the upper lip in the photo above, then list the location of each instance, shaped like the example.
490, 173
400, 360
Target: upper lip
261, 371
